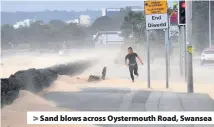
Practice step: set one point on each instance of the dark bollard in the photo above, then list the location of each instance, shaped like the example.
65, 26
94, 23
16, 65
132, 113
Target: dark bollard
104, 73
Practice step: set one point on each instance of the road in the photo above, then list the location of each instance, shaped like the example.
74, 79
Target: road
116, 93
112, 99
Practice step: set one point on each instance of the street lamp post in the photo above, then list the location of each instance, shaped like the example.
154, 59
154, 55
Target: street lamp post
210, 29
189, 46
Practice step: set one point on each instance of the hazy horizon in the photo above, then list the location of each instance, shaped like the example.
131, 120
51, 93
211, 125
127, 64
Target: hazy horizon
32, 6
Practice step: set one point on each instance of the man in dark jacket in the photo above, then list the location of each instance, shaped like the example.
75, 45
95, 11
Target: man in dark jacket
133, 67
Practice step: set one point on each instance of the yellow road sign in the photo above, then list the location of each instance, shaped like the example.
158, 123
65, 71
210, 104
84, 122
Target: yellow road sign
189, 49
155, 7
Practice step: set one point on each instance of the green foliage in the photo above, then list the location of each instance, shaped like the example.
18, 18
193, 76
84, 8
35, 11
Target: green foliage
41, 34
104, 23
129, 22
133, 23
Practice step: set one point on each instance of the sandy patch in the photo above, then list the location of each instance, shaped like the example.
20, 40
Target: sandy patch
15, 115
77, 82
155, 85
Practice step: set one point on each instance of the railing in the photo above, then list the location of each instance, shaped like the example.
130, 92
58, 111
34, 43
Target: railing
104, 32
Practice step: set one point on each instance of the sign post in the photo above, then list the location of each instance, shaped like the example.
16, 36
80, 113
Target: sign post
169, 46
181, 50
167, 56
148, 58
156, 18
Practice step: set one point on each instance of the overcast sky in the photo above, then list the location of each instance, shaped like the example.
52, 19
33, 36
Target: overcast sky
16, 5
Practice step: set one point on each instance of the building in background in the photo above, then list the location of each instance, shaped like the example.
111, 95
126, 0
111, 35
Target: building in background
73, 21
84, 20
113, 11
107, 39
24, 23
103, 12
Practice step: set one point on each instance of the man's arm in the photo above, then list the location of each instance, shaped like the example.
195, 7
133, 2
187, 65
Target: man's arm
126, 59
139, 59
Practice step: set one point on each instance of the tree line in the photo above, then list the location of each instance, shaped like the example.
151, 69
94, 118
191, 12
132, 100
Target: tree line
41, 34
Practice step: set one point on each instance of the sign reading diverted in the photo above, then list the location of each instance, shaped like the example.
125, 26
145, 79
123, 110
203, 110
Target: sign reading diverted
156, 14
156, 21
155, 7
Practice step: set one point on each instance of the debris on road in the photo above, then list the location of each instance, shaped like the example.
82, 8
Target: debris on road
97, 78
93, 78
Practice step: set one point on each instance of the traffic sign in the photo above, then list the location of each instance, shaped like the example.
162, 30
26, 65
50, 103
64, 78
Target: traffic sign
156, 14
157, 18
189, 49
155, 7
157, 21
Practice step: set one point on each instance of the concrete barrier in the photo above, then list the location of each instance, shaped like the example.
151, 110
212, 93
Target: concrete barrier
35, 80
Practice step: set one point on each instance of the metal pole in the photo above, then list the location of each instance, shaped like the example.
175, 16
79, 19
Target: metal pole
169, 45
210, 27
189, 48
167, 56
148, 59
181, 50
185, 52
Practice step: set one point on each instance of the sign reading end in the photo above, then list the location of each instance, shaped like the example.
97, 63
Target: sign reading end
156, 21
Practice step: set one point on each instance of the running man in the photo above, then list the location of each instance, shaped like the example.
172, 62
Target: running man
133, 67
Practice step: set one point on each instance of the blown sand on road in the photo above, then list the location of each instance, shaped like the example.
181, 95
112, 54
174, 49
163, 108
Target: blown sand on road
14, 115
12, 64
74, 84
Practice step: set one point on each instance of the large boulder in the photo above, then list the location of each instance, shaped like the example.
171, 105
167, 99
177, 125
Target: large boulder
8, 92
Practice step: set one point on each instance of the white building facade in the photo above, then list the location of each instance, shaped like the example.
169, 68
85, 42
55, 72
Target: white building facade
108, 39
84, 20
73, 21
24, 23
112, 11
104, 12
